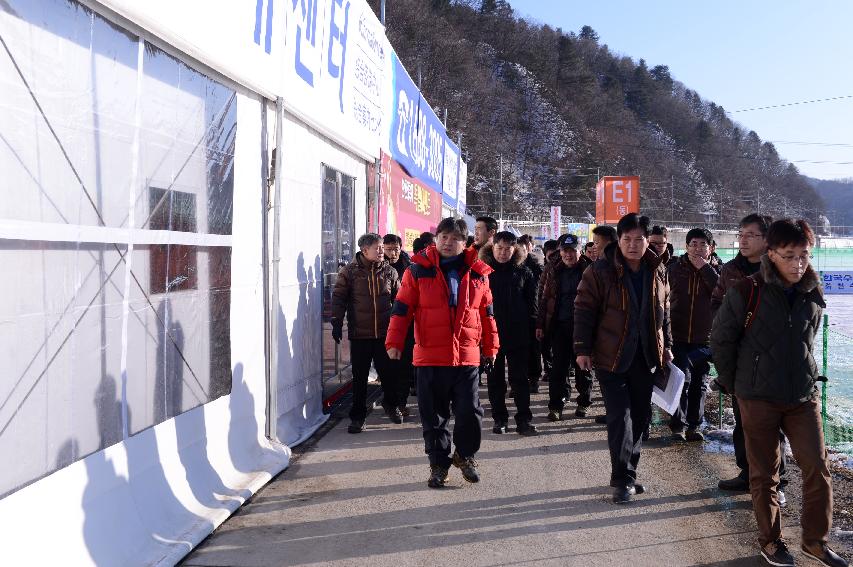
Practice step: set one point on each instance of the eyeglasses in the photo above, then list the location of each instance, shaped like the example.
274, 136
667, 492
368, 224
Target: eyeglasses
748, 235
796, 260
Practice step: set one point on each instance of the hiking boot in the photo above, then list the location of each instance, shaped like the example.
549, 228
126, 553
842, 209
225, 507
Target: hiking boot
555, 415
581, 411
404, 411
821, 552
468, 466
601, 419
736, 484
500, 427
437, 476
356, 426
527, 430
678, 435
777, 553
395, 415
693, 434
780, 497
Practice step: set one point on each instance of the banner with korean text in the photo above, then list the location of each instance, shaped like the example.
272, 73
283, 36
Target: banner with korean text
555, 222
407, 207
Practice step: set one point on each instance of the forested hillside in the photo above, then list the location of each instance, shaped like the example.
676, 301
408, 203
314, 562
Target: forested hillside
560, 107
838, 196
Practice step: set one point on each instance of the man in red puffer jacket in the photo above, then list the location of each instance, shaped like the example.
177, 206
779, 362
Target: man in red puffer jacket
446, 292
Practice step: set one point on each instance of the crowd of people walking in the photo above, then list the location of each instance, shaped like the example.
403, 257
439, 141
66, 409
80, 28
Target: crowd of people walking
622, 311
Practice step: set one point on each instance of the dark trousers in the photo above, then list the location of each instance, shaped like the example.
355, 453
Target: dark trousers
362, 353
534, 359
402, 380
439, 387
562, 347
691, 408
802, 424
547, 358
517, 362
740, 449
627, 400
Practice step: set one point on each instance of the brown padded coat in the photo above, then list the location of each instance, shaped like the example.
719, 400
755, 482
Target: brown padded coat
731, 273
549, 289
365, 293
602, 309
690, 300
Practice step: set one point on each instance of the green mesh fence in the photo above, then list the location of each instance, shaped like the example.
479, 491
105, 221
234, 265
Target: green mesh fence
838, 391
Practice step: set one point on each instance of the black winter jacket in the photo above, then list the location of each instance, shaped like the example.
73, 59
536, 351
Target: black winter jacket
514, 298
773, 358
403, 262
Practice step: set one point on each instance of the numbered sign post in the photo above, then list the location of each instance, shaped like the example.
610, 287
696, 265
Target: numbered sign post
615, 198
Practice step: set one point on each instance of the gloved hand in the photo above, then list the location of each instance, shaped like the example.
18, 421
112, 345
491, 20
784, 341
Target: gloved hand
337, 334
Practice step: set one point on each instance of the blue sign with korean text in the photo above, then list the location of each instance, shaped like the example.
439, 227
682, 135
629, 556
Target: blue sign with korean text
837, 282
418, 137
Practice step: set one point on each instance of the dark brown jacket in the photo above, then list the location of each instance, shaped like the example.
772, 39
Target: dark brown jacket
690, 300
732, 272
365, 293
602, 310
549, 289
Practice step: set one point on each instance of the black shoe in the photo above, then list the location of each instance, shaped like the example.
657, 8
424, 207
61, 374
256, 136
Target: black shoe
694, 435
678, 435
635, 488
622, 495
736, 484
581, 411
413, 392
555, 415
395, 415
822, 553
356, 426
534, 387
777, 553
601, 419
468, 466
437, 476
527, 430
500, 427
404, 411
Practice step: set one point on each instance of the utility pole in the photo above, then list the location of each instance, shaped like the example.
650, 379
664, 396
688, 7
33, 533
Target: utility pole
501, 191
671, 199
382, 12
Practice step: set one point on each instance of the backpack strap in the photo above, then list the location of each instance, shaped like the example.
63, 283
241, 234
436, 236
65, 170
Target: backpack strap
752, 302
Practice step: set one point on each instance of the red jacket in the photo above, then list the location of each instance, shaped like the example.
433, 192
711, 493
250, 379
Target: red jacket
445, 335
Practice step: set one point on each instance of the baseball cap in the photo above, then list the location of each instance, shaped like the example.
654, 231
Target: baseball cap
568, 241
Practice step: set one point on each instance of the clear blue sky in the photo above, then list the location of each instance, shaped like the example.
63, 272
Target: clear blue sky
741, 54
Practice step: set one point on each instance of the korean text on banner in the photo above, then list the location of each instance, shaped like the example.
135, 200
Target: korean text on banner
418, 137
406, 206
615, 198
462, 187
451, 174
335, 68
555, 222
837, 282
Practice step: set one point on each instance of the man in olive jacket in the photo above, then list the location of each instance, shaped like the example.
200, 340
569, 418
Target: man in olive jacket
622, 329
763, 339
364, 292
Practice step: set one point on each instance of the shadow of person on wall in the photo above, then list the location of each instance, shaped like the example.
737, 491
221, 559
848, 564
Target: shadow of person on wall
244, 433
169, 376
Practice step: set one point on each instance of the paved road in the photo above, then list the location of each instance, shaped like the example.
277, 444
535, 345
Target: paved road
363, 500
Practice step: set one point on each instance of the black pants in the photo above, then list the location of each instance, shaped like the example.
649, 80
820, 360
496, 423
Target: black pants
362, 353
403, 378
547, 358
562, 347
627, 399
534, 359
691, 408
740, 449
517, 362
439, 387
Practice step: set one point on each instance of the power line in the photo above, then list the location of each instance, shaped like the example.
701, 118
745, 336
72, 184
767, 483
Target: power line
830, 99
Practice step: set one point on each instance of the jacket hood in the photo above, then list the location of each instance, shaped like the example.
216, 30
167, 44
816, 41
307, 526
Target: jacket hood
362, 262
487, 255
430, 258
769, 274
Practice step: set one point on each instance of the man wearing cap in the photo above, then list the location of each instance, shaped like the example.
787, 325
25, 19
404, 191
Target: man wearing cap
555, 323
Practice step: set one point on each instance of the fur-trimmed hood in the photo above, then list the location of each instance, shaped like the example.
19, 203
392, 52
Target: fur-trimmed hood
809, 281
487, 255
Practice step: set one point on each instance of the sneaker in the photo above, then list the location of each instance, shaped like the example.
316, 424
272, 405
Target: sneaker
437, 476
395, 415
555, 415
678, 435
780, 497
736, 484
777, 553
601, 419
404, 411
527, 430
468, 466
500, 427
581, 411
694, 434
821, 552
356, 426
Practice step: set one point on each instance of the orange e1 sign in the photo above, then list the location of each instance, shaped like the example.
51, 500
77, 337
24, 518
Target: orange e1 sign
615, 198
